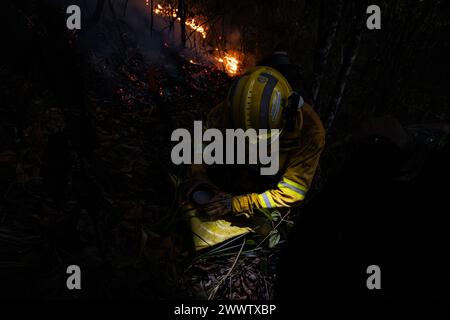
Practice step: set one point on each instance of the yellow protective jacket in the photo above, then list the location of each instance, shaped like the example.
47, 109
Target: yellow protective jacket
299, 158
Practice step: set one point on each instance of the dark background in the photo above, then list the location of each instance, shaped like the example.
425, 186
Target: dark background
85, 174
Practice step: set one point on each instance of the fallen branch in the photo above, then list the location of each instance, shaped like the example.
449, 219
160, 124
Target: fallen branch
214, 291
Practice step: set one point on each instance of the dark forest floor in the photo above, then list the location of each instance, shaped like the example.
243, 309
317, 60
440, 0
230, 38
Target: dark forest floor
89, 181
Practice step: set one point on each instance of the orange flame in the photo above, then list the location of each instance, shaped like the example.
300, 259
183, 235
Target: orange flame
231, 62
197, 27
191, 23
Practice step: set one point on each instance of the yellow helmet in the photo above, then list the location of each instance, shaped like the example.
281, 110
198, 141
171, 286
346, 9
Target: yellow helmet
258, 99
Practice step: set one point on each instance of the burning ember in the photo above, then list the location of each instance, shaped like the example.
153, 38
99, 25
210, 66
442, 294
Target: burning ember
231, 62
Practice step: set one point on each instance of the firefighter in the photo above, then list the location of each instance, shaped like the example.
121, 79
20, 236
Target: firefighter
263, 99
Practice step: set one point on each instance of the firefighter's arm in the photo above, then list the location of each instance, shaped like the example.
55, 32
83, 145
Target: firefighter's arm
292, 187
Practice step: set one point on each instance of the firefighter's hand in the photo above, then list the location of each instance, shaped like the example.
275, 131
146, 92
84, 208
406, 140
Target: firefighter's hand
196, 182
219, 205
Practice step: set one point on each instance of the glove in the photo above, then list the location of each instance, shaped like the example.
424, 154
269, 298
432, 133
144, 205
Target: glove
219, 205
196, 182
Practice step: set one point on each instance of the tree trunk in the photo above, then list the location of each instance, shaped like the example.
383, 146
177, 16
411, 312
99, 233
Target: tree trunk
125, 8
182, 15
98, 11
151, 17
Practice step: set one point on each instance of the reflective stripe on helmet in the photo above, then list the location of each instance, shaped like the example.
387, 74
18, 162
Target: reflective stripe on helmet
265, 100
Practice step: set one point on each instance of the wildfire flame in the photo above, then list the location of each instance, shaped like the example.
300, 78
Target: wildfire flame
197, 27
191, 23
230, 61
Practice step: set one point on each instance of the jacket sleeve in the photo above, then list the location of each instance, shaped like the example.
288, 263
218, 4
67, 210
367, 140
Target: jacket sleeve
293, 185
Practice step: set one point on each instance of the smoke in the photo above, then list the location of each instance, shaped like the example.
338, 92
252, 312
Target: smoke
121, 29
118, 29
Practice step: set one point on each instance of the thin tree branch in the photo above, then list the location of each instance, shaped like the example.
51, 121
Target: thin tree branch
348, 60
182, 15
324, 50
